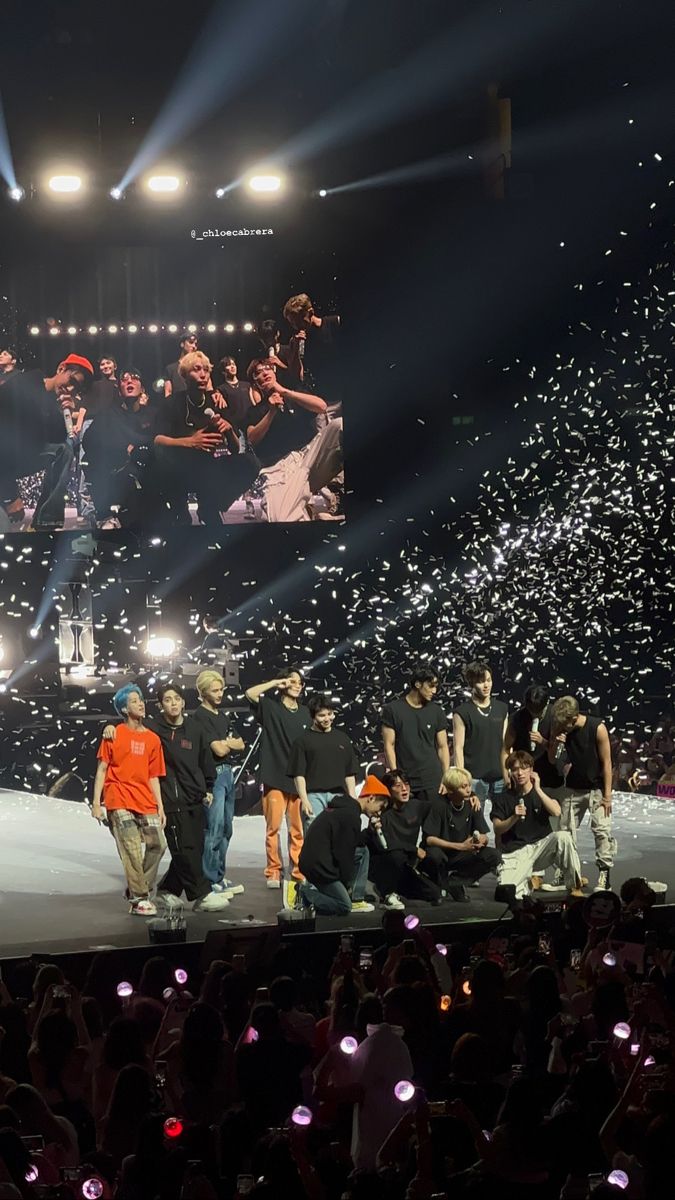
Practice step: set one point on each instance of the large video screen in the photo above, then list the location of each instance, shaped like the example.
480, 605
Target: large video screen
194, 382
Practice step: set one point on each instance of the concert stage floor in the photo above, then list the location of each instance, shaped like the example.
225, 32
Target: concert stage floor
61, 881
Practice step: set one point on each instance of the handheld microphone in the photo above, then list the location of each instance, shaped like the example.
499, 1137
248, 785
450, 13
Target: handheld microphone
559, 750
208, 412
380, 837
301, 348
535, 727
68, 421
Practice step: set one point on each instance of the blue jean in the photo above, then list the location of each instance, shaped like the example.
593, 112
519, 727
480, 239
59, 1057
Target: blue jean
487, 790
319, 802
333, 899
218, 825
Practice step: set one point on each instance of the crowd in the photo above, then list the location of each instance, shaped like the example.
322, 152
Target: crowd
128, 457
534, 1065
641, 764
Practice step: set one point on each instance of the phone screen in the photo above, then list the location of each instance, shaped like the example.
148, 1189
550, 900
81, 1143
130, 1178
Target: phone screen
346, 943
365, 957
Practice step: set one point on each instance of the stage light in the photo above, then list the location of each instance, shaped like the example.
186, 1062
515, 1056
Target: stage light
180, 975
112, 329
192, 328
34, 631
116, 193
621, 1030
125, 989
265, 183
153, 328
16, 193
229, 328
618, 1179
349, 1045
404, 1090
92, 1189
322, 192
411, 921
63, 184
248, 327
172, 328
163, 184
161, 647
34, 330
54, 331
132, 328
301, 1115
173, 1127
72, 330
210, 329
92, 329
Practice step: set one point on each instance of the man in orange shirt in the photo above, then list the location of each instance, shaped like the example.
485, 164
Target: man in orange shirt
127, 778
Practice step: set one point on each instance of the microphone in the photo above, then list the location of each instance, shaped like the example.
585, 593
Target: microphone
208, 412
380, 837
559, 750
301, 348
68, 421
535, 727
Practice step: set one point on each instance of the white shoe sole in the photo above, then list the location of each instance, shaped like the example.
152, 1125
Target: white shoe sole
235, 890
273, 884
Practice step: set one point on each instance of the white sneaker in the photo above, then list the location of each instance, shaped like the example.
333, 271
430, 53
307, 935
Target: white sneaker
234, 889
273, 882
603, 882
362, 906
394, 901
211, 902
143, 908
169, 900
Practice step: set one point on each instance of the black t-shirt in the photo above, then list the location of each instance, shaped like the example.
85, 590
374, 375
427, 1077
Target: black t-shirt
178, 417
320, 364
281, 726
175, 378
550, 773
401, 826
292, 428
217, 726
102, 394
452, 825
416, 730
521, 722
532, 828
238, 399
325, 760
483, 738
582, 751
31, 418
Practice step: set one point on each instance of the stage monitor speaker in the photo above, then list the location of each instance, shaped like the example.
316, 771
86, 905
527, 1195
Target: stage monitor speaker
257, 943
661, 917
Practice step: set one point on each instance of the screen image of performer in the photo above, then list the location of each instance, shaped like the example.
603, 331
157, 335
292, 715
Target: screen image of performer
393, 840
117, 449
186, 787
173, 380
322, 761
297, 462
334, 857
456, 834
219, 816
12, 504
312, 352
478, 728
127, 791
414, 734
282, 720
521, 817
580, 745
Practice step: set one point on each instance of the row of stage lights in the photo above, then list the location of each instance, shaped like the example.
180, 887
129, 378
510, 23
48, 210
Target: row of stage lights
73, 330
72, 184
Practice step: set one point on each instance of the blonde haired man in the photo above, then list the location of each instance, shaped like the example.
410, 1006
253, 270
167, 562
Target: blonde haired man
218, 817
456, 834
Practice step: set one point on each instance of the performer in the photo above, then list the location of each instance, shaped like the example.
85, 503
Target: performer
334, 858
521, 819
104, 390
296, 460
524, 731
186, 788
322, 761
173, 380
479, 727
269, 336
117, 447
12, 504
581, 742
393, 840
197, 453
127, 779
312, 350
282, 721
456, 834
414, 734
7, 365
236, 392
219, 816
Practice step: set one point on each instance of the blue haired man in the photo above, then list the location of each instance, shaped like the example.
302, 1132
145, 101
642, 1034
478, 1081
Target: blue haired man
127, 786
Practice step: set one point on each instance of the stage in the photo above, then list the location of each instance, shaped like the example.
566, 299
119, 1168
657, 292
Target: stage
61, 881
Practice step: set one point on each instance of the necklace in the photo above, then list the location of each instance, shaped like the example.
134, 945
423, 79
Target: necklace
455, 808
484, 712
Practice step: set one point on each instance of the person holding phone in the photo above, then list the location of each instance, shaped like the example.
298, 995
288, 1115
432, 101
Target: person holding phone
521, 819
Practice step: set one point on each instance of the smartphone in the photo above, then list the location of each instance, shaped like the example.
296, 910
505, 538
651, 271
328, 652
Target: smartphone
72, 1174
544, 943
160, 1073
346, 943
262, 995
575, 959
436, 1108
244, 1184
34, 1144
238, 962
365, 958
61, 993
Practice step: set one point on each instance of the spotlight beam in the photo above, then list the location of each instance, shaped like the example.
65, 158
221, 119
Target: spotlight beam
6, 160
230, 46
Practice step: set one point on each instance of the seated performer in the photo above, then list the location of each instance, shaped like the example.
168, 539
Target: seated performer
296, 460
127, 781
521, 818
456, 834
334, 858
393, 842
186, 789
195, 453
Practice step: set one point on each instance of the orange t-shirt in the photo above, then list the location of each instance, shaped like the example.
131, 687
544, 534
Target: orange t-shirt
134, 758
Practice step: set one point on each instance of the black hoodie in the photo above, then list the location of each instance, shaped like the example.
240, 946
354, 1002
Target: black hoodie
327, 855
190, 768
